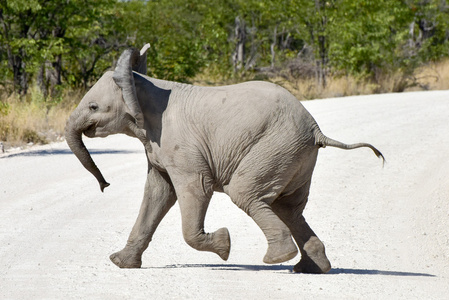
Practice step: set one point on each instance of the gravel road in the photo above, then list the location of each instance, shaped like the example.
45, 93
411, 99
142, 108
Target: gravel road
386, 229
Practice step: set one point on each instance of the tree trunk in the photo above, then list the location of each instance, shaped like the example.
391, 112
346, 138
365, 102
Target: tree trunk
323, 61
238, 56
272, 46
320, 7
41, 82
15, 61
20, 75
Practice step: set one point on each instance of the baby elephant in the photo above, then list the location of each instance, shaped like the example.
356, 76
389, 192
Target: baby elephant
253, 141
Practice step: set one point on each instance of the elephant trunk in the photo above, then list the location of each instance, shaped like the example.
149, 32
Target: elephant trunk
74, 139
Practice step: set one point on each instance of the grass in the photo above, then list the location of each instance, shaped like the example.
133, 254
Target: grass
32, 120
433, 76
35, 120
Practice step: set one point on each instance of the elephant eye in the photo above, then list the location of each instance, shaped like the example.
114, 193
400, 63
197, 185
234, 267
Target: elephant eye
93, 106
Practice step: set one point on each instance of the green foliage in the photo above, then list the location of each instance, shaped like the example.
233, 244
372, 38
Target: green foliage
375, 37
383, 32
60, 43
94, 39
185, 36
54, 41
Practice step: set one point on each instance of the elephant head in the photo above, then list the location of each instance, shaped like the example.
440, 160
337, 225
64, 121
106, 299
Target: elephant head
109, 107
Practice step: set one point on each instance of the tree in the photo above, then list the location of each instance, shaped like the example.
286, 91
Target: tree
93, 41
73, 42
176, 51
16, 20
374, 38
56, 40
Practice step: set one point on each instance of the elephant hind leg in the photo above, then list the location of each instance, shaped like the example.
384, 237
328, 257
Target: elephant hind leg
280, 244
194, 201
313, 256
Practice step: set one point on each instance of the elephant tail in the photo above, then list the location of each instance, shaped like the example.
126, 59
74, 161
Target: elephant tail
323, 141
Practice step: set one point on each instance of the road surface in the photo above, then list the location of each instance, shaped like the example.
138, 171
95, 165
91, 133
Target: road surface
386, 229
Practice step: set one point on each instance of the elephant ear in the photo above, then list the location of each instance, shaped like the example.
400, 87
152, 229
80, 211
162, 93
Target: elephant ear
131, 60
141, 65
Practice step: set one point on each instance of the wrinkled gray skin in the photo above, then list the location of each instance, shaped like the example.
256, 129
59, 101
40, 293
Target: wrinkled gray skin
254, 141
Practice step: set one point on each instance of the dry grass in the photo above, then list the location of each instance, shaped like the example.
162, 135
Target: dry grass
31, 120
433, 76
307, 89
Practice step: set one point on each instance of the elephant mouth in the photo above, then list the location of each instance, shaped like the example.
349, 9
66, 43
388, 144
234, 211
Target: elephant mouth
90, 131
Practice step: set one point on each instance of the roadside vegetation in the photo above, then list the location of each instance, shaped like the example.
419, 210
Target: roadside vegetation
51, 52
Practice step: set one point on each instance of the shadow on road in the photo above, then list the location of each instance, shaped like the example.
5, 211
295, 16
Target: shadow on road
65, 152
230, 267
336, 271
377, 272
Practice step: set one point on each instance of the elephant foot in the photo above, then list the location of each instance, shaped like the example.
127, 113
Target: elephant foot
217, 242
279, 252
123, 259
314, 260
222, 243
309, 266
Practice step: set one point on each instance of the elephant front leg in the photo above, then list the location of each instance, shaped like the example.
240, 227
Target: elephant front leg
193, 202
159, 197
